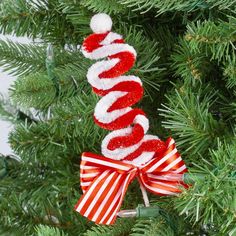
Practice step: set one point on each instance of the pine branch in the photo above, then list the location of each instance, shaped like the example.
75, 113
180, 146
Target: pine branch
228, 111
176, 5
60, 135
39, 91
21, 59
40, 196
29, 18
35, 203
121, 228
214, 199
187, 114
27, 91
151, 227
230, 71
228, 5
77, 15
108, 7
43, 230
160, 6
216, 39
24, 59
188, 64
15, 16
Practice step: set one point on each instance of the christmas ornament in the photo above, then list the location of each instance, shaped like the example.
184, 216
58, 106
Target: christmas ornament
128, 151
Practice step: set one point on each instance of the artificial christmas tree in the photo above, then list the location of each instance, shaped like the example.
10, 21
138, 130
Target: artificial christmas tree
186, 60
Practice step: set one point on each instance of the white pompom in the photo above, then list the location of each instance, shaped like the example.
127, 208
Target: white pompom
101, 23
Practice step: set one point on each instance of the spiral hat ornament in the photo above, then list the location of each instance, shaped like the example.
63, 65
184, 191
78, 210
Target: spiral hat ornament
128, 151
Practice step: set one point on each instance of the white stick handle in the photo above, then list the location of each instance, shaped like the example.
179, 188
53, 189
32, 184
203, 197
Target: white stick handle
145, 196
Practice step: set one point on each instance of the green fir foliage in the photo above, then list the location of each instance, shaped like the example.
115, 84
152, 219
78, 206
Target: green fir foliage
108, 7
43, 230
121, 228
214, 200
151, 227
188, 115
177, 5
216, 39
230, 71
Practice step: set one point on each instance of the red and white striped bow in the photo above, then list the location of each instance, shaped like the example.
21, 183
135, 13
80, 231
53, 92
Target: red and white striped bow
104, 181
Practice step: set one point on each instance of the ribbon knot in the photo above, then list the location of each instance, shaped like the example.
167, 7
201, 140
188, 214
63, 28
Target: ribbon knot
104, 181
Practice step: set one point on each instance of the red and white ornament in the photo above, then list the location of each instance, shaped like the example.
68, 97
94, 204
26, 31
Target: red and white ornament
128, 151
129, 141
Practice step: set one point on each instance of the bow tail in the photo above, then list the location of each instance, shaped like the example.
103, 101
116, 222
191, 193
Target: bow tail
161, 187
103, 197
